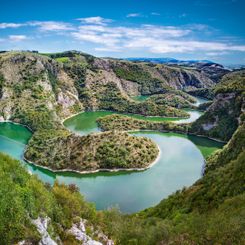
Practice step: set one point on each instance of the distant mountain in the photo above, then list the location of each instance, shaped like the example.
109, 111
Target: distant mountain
235, 66
214, 70
168, 60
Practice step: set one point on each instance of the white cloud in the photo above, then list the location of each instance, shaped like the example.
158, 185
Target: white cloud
217, 53
145, 38
43, 25
180, 46
10, 25
108, 40
17, 38
97, 20
115, 38
150, 38
109, 49
119, 32
200, 27
133, 15
51, 25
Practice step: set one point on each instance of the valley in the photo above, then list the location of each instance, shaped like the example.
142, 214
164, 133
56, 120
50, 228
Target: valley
119, 188
131, 135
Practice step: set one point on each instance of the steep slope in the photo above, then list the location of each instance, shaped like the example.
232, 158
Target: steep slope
219, 194
212, 70
224, 114
38, 92
31, 81
220, 120
156, 78
140, 78
100, 88
34, 213
209, 212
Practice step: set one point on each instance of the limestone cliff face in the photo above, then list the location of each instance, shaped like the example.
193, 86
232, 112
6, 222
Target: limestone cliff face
155, 78
226, 112
32, 80
144, 78
39, 92
66, 88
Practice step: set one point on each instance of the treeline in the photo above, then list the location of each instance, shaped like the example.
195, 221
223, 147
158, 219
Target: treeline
125, 123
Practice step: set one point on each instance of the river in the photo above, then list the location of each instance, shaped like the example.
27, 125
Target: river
179, 165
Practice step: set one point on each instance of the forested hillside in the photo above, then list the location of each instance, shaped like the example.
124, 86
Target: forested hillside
41, 90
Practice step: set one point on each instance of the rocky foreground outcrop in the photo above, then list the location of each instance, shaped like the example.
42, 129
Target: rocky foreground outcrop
77, 230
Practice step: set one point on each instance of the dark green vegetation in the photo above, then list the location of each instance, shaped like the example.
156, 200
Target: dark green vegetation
211, 211
24, 197
136, 73
157, 78
207, 93
204, 106
99, 151
177, 99
39, 92
222, 117
112, 100
220, 120
1, 84
125, 123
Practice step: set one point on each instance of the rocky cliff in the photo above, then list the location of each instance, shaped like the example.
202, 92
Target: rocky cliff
39, 92
227, 110
32, 81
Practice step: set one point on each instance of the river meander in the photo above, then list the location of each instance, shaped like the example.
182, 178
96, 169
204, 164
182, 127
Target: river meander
180, 164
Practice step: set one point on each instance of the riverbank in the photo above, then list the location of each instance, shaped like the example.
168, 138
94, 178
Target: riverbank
141, 189
109, 169
23, 125
99, 170
191, 134
124, 114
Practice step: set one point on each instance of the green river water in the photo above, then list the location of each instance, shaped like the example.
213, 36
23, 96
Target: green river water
180, 164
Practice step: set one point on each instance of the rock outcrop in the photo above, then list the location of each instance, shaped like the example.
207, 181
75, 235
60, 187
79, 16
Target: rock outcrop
42, 227
226, 112
78, 230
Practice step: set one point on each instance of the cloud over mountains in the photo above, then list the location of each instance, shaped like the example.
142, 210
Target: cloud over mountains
108, 35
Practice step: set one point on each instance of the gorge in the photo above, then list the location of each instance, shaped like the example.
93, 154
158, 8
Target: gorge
110, 189
88, 114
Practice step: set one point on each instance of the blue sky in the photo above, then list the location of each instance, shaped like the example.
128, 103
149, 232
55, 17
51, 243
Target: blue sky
183, 29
